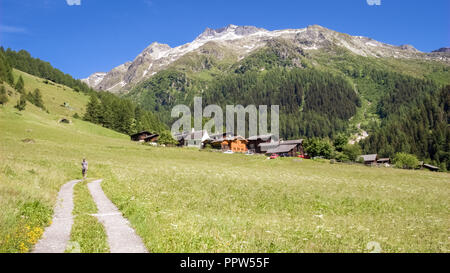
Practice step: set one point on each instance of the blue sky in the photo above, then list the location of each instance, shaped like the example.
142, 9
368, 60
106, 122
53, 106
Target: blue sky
98, 35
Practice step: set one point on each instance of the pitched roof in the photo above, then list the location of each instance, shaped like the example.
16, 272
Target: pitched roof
282, 149
262, 137
152, 136
141, 133
428, 166
383, 159
233, 138
372, 157
266, 146
288, 142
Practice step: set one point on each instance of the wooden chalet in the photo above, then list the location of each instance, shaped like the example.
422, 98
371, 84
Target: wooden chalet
145, 136
215, 140
287, 148
298, 146
236, 144
384, 161
264, 147
255, 141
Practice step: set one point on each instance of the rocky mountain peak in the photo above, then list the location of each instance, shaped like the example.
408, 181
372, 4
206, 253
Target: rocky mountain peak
409, 48
155, 49
443, 49
229, 30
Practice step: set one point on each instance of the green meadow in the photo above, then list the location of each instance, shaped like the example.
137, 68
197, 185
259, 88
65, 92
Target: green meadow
185, 200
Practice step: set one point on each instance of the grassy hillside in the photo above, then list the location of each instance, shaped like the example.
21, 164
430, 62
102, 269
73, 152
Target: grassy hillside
187, 200
55, 95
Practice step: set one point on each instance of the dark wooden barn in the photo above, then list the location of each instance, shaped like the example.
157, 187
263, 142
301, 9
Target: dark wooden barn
255, 141
287, 147
145, 136
431, 167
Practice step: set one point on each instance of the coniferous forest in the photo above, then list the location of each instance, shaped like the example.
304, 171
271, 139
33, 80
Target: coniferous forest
303, 96
121, 115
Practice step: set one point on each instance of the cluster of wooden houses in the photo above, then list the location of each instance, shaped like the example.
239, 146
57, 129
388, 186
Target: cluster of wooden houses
374, 160
261, 144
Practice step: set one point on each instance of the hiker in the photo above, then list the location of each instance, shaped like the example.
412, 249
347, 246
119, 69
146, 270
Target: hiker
84, 167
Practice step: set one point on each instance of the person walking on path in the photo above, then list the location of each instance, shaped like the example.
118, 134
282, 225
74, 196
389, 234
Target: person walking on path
84, 168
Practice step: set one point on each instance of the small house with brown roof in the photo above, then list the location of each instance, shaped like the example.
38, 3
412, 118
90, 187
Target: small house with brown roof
255, 141
287, 147
145, 136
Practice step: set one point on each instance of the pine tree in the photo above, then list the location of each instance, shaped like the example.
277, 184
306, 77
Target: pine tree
92, 110
3, 97
20, 85
21, 103
36, 98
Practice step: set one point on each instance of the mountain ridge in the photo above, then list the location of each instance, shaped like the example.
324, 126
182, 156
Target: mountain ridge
241, 41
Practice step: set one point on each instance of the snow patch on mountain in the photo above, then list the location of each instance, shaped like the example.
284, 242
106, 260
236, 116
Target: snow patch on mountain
242, 40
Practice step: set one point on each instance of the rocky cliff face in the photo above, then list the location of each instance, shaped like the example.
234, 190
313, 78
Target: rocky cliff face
443, 50
242, 40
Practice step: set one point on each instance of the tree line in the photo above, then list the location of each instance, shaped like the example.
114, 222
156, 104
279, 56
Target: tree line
121, 115
23, 61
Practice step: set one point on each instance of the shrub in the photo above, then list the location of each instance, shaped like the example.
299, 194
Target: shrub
167, 139
360, 160
351, 151
341, 157
318, 147
406, 161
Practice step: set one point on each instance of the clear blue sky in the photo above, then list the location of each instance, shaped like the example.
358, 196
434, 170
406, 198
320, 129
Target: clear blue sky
101, 34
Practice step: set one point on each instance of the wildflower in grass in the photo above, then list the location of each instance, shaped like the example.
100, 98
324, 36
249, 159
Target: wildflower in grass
34, 234
23, 248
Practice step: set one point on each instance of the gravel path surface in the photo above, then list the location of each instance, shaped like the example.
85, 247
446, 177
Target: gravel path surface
57, 235
121, 237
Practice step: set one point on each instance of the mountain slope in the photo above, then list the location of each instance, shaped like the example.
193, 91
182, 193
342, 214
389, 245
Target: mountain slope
241, 41
58, 99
